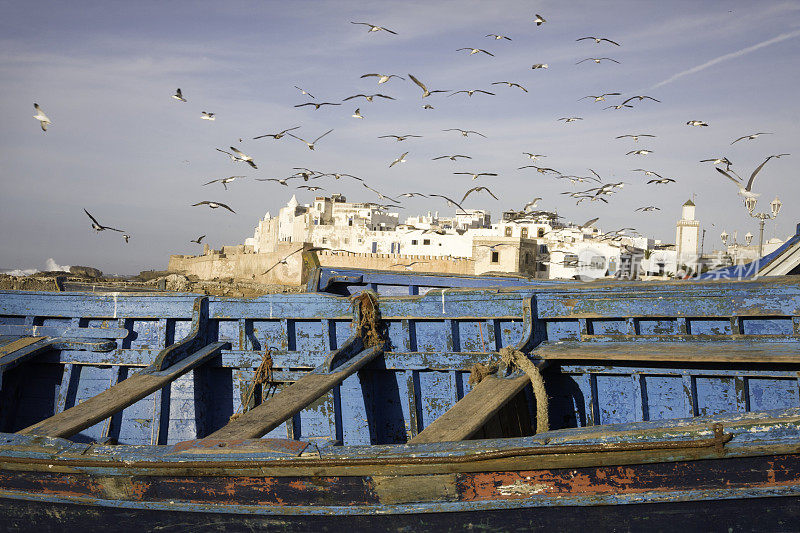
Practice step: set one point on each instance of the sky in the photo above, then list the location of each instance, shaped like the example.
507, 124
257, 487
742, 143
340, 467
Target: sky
120, 147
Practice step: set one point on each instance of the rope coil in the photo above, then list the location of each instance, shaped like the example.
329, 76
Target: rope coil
262, 376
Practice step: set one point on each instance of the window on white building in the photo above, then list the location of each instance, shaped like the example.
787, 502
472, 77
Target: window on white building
426, 241
496, 256
414, 241
508, 231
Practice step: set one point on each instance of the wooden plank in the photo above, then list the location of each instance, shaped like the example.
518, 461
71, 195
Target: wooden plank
116, 398
469, 415
291, 400
695, 352
18, 345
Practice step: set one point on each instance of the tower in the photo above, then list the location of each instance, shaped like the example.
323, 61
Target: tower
687, 236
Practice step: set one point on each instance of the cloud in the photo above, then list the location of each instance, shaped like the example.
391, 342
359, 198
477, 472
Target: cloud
732, 55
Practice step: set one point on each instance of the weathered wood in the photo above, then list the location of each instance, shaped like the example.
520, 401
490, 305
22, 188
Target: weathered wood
18, 344
118, 397
469, 415
718, 351
292, 399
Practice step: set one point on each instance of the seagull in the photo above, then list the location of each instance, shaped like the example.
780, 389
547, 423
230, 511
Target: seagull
384, 77
533, 157
510, 84
634, 137
239, 156
205, 115
310, 188
380, 194
478, 189
224, 181
570, 119
476, 175
589, 223
541, 170
475, 51
662, 181
408, 265
451, 157
599, 97
639, 152
466, 133
648, 208
696, 123
281, 181
597, 60
373, 27
539, 20
307, 173
425, 90
428, 106
197, 240
717, 161
337, 176
214, 205
316, 105
640, 98
450, 201
399, 137
41, 117
400, 159
310, 144
531, 204
618, 106
747, 191
126, 237
179, 95
539, 65
751, 136
357, 113
99, 227
412, 194
304, 91
278, 135
598, 39
646, 172
369, 97
498, 37
470, 92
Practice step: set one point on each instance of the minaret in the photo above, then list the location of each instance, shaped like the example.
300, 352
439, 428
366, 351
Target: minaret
687, 236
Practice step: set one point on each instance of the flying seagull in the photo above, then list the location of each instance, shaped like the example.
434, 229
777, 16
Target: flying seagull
383, 78
304, 91
497, 36
476, 175
450, 201
239, 156
197, 240
746, 191
398, 137
662, 181
646, 172
465, 133
597, 40
640, 98
751, 136
278, 135
619, 106
126, 237
634, 137
539, 20
451, 157
478, 189
179, 95
310, 144
214, 205
224, 181
373, 27
648, 208
316, 105
99, 227
570, 119
41, 117
310, 188
531, 204
401, 159
510, 84
475, 51
639, 152
718, 160
597, 60
205, 115
533, 157
600, 97
470, 92
541, 170
425, 90
357, 113
539, 65
281, 181
369, 97
696, 123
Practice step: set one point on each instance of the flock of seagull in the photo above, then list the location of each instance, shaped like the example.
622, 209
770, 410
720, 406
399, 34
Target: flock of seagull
601, 191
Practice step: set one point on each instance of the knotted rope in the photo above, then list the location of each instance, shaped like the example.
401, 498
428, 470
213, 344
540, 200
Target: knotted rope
512, 358
369, 324
263, 375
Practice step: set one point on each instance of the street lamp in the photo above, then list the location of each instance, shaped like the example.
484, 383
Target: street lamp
748, 238
775, 208
724, 237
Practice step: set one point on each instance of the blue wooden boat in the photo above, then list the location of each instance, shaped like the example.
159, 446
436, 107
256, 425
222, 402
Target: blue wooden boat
617, 406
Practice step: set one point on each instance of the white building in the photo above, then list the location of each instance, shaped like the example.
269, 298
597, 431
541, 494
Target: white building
687, 237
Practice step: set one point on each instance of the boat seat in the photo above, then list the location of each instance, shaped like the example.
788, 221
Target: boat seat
710, 351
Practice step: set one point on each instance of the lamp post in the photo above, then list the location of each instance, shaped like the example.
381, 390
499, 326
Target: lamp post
775, 208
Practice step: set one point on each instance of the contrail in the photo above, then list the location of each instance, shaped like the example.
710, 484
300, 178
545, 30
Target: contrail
732, 55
